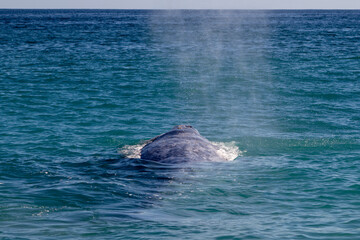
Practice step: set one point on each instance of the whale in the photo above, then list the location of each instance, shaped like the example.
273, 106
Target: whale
183, 143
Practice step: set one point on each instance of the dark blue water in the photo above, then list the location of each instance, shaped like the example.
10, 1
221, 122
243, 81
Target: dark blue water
81, 90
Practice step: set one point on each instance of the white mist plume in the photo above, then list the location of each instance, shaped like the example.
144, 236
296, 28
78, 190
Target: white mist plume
218, 62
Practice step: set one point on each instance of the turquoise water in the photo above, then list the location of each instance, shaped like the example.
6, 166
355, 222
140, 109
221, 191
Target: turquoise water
77, 87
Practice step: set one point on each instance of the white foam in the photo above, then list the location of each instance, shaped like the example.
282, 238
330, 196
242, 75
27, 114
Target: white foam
226, 150
132, 151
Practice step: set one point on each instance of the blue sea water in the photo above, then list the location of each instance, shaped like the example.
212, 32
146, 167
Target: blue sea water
77, 87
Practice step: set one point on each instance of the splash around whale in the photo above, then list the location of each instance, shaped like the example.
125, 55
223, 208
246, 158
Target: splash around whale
181, 144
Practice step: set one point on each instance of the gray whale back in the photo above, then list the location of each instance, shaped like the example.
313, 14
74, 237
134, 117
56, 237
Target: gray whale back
181, 144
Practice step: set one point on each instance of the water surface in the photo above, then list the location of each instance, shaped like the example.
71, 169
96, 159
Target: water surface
78, 85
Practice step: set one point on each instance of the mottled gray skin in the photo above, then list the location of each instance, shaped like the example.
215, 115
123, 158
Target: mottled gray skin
181, 144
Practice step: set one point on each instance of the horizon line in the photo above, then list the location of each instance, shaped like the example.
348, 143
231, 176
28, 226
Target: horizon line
170, 9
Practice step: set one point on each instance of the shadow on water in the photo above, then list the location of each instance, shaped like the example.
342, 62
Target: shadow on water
113, 189
77, 191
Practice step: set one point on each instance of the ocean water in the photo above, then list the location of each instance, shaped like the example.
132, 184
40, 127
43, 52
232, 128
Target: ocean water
81, 90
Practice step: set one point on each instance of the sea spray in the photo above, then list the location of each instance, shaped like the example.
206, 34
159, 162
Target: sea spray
216, 58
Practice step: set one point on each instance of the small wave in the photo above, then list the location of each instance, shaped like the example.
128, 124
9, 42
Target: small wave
227, 150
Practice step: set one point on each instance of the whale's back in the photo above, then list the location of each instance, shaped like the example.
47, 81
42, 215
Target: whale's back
180, 145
